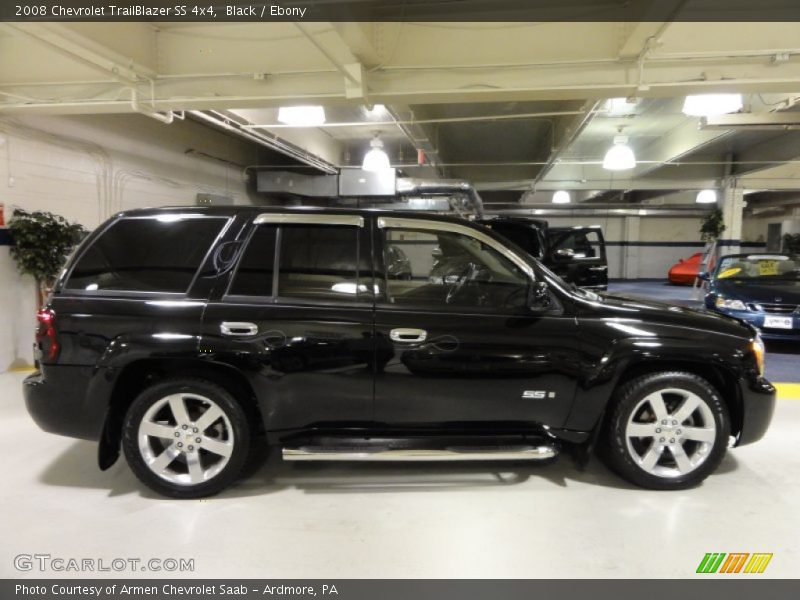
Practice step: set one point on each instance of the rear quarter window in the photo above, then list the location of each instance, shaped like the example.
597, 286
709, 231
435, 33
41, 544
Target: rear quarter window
151, 254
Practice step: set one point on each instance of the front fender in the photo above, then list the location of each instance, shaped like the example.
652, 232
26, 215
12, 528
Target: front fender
627, 356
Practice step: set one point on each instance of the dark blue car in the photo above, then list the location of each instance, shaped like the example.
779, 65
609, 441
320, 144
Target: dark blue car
762, 289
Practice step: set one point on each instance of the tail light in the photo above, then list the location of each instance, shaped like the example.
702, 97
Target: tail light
46, 338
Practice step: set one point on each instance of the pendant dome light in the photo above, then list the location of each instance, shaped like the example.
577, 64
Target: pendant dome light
706, 197
619, 157
376, 159
561, 197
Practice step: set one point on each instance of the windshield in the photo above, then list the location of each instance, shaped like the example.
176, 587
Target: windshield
759, 266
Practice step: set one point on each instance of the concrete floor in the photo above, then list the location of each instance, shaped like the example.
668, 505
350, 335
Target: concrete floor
328, 521
340, 521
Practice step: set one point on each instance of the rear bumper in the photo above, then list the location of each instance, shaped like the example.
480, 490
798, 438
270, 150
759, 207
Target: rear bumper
758, 405
57, 400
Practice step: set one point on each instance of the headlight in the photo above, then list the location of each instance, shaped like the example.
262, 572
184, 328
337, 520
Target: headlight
757, 346
730, 304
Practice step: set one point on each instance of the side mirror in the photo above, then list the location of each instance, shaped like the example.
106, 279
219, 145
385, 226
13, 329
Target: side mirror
538, 297
564, 254
704, 276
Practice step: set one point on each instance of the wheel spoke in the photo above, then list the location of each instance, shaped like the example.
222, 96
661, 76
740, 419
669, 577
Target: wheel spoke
699, 434
650, 459
178, 408
156, 430
196, 474
656, 402
681, 460
689, 405
207, 418
163, 460
217, 447
641, 430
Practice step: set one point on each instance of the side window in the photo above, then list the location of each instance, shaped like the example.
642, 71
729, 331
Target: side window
159, 254
323, 262
449, 270
255, 273
583, 244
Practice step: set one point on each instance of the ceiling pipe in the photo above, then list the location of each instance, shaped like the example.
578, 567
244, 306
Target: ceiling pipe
371, 124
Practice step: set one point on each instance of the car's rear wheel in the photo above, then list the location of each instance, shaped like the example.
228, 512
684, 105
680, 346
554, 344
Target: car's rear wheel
186, 438
667, 430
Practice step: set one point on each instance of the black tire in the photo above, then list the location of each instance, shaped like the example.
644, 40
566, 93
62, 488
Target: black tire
626, 399
231, 409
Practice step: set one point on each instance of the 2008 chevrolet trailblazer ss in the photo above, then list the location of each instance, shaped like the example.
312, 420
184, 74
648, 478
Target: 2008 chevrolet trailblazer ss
178, 336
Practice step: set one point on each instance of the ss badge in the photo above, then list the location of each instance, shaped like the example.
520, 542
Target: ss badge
538, 394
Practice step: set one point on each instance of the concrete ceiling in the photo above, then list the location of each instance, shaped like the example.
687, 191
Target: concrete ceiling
513, 107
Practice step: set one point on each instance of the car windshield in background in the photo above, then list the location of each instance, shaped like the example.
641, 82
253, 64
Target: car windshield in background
759, 266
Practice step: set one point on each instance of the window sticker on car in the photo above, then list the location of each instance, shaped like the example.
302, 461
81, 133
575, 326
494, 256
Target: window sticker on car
767, 267
728, 273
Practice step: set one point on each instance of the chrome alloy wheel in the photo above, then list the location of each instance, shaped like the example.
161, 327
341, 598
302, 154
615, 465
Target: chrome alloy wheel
185, 439
670, 432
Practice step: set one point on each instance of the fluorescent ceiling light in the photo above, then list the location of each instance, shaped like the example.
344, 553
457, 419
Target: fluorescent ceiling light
376, 159
561, 197
620, 106
620, 156
706, 197
377, 109
301, 116
710, 105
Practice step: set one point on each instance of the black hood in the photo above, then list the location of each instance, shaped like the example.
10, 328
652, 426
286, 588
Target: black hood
697, 320
777, 291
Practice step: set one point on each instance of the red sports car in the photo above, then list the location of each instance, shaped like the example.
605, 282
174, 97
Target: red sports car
685, 271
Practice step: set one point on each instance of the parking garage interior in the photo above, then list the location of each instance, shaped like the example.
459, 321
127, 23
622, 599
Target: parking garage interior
97, 118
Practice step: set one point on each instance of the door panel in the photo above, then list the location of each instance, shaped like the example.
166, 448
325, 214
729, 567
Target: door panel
296, 316
306, 364
465, 346
475, 368
578, 255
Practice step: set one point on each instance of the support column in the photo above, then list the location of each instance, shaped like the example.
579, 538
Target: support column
630, 254
732, 209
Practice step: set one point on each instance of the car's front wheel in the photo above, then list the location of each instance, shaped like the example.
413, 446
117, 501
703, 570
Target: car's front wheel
667, 430
186, 438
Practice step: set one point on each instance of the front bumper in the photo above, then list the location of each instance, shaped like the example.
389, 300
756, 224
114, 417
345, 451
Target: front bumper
58, 401
758, 405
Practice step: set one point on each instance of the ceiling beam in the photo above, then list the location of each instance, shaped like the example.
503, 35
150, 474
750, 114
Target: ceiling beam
408, 86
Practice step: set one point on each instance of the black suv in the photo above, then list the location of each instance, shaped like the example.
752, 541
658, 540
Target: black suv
576, 254
180, 335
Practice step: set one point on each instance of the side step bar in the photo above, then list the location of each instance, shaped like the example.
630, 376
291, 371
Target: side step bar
322, 453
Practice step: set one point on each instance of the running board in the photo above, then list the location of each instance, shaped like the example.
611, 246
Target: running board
322, 453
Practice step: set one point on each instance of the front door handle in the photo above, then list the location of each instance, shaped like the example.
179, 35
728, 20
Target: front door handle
403, 334
238, 328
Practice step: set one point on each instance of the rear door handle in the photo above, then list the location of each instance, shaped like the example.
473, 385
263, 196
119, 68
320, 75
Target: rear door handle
238, 328
403, 334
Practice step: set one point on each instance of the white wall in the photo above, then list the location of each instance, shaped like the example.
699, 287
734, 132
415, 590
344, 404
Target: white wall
86, 168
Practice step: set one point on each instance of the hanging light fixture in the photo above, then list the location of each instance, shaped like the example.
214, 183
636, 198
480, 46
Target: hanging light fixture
301, 116
619, 157
376, 159
710, 105
561, 197
706, 197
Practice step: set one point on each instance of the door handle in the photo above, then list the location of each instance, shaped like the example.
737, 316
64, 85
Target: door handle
408, 335
238, 328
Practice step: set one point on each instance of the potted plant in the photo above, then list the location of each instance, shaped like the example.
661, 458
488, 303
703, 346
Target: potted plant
41, 243
712, 226
791, 243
